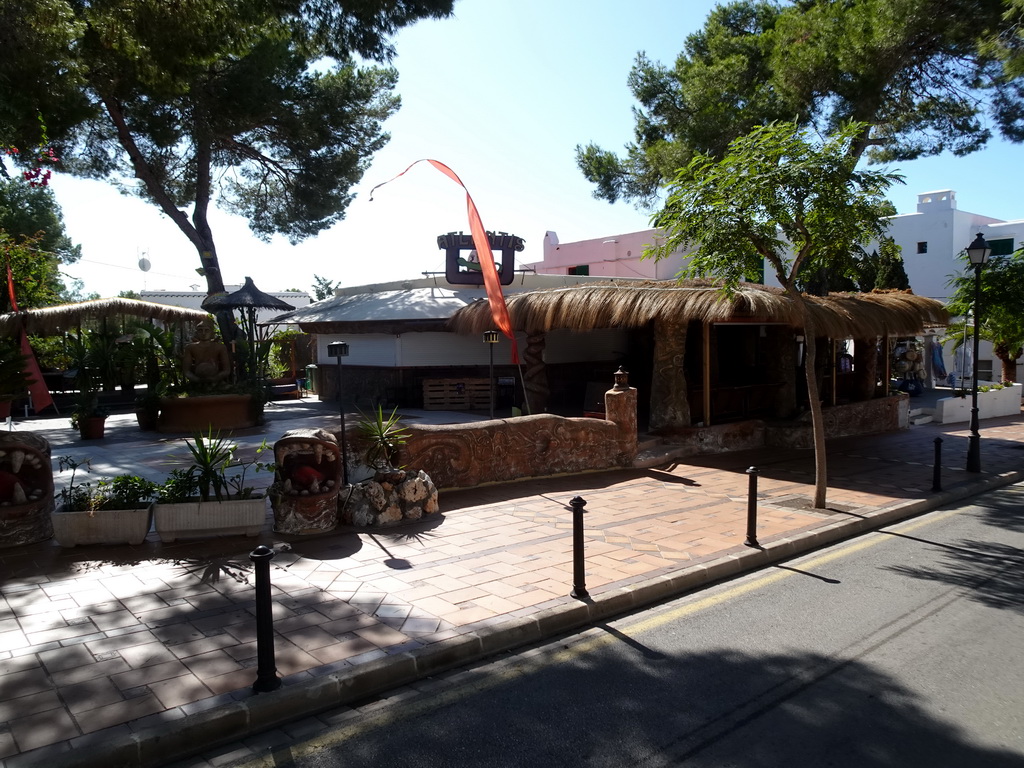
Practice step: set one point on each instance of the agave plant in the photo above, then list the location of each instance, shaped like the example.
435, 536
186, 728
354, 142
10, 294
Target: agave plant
380, 437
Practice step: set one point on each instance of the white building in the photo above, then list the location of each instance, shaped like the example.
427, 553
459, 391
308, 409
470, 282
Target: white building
932, 240
194, 300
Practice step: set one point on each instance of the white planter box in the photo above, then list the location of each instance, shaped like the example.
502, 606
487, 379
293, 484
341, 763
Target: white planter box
995, 402
194, 519
107, 526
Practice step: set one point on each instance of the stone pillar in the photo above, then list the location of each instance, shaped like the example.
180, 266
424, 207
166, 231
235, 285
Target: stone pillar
865, 368
620, 407
781, 368
670, 408
536, 374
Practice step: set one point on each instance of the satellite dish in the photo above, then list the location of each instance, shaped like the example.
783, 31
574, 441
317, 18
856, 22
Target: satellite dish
144, 264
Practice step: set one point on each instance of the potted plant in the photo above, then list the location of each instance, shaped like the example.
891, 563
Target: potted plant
89, 417
210, 497
117, 510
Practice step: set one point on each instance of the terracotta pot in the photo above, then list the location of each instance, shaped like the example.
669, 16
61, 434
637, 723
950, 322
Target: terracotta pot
92, 427
147, 418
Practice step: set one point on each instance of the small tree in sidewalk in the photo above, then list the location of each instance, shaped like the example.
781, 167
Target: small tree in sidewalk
1002, 310
783, 199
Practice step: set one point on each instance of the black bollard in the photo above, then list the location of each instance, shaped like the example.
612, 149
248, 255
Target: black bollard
266, 667
752, 508
937, 469
579, 577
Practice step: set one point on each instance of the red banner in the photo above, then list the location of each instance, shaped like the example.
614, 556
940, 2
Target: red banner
496, 299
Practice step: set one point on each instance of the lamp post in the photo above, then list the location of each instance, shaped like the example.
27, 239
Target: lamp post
977, 253
339, 349
490, 339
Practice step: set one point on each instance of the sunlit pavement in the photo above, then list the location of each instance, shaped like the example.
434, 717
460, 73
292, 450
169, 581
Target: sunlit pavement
107, 646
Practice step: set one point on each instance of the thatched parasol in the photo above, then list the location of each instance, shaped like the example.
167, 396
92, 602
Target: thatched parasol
246, 297
49, 321
247, 300
634, 304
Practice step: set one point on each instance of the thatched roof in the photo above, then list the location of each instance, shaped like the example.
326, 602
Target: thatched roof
634, 304
48, 321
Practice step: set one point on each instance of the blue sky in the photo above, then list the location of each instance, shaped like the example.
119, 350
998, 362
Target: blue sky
502, 94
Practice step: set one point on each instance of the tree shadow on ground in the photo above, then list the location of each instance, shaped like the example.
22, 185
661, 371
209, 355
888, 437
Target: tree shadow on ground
631, 705
988, 571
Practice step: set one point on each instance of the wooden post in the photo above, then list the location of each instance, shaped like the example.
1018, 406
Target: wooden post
706, 354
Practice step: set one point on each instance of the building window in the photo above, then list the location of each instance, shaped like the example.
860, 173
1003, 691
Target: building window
1003, 247
922, 247
583, 269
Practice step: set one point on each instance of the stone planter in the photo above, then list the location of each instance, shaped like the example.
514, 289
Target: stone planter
201, 519
107, 526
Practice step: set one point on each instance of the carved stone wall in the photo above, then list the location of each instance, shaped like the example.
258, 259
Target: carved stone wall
465, 455
883, 414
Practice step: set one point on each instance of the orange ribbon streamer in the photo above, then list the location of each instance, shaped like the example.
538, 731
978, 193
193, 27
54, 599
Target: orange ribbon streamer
496, 299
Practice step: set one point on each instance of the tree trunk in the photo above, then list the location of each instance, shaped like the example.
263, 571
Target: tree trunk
813, 400
1008, 357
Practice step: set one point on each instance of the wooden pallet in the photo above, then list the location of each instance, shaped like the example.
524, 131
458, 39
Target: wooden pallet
456, 394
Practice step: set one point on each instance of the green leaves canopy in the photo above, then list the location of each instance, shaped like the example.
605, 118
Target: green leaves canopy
1002, 307
776, 197
922, 76
257, 105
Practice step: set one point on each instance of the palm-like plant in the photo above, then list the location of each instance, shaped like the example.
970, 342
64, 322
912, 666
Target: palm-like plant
1001, 311
380, 437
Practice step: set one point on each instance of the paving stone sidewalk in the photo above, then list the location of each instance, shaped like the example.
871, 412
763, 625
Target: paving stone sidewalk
103, 646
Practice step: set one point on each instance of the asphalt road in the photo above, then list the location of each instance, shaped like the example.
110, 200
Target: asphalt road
901, 648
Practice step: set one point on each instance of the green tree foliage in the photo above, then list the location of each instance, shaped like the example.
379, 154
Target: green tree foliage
254, 105
922, 76
1002, 308
33, 241
888, 271
779, 198
37, 280
323, 288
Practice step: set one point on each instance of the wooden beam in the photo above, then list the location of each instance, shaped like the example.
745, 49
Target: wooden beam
706, 354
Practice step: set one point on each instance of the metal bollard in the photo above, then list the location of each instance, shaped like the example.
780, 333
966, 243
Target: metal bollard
752, 508
266, 667
937, 469
579, 577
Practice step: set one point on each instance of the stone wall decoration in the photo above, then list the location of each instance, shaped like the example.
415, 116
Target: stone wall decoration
304, 495
26, 489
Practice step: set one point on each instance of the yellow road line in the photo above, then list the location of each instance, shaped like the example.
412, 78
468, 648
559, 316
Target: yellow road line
598, 638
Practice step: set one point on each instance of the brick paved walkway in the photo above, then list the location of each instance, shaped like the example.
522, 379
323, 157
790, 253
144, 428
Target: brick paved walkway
96, 641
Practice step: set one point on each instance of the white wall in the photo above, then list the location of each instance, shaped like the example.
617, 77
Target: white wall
448, 349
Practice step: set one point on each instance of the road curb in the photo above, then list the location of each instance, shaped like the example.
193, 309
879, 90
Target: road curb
185, 737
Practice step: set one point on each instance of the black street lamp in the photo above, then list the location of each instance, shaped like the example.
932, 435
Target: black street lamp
339, 349
977, 253
490, 339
